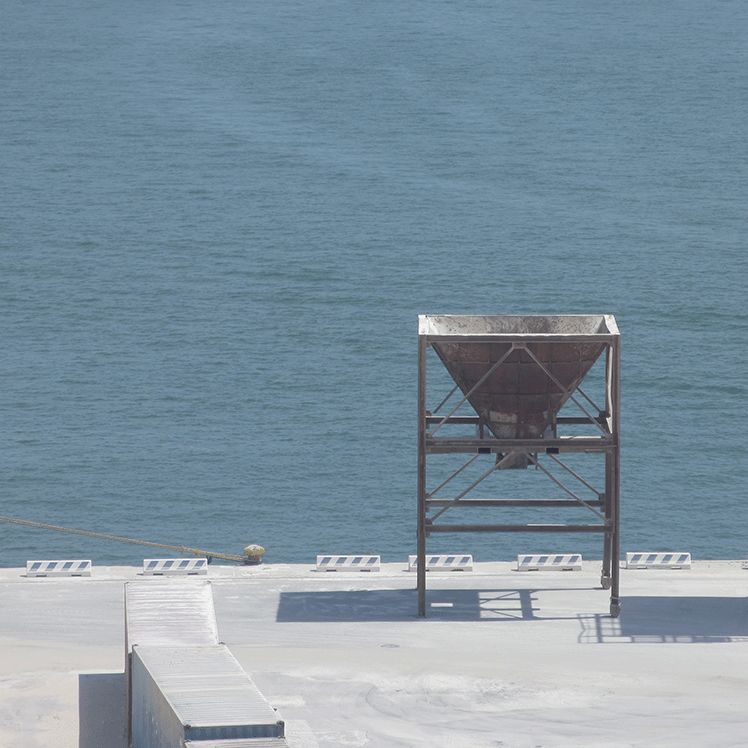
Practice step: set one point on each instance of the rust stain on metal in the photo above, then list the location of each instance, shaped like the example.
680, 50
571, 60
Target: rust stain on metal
519, 399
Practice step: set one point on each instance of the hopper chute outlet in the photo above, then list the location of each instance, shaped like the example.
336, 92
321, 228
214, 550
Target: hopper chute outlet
527, 379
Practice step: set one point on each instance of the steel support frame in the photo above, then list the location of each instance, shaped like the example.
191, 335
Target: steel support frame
607, 443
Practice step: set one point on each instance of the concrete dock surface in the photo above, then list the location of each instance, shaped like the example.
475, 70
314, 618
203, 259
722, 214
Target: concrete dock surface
503, 658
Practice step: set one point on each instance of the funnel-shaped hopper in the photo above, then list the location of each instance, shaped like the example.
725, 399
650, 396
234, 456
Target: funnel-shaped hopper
543, 360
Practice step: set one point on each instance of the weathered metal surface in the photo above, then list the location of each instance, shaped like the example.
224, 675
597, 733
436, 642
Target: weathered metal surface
545, 359
182, 694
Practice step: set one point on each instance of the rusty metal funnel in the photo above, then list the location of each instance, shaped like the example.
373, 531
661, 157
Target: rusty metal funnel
518, 371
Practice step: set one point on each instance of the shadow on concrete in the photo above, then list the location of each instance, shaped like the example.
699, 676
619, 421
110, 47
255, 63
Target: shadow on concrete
402, 605
101, 710
671, 620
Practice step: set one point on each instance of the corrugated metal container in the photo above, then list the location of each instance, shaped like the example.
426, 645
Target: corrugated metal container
169, 612
166, 612
195, 693
248, 743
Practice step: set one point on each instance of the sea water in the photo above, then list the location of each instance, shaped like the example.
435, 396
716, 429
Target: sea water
219, 222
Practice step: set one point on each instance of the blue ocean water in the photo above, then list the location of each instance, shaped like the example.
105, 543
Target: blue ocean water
219, 221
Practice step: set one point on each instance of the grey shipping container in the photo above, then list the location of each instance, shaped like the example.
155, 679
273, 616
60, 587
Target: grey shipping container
241, 743
182, 694
167, 612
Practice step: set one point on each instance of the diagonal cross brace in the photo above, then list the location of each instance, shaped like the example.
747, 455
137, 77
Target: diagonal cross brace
561, 387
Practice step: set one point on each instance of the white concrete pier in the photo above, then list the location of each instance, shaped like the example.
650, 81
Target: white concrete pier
503, 658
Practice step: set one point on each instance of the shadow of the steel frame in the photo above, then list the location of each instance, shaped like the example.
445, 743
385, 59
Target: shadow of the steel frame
402, 605
670, 620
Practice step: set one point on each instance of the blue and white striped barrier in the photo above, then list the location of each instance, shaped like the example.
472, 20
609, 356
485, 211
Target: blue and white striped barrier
349, 563
445, 562
164, 566
58, 568
658, 560
550, 562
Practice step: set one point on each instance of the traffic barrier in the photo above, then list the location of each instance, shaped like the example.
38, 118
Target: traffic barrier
169, 566
550, 562
444, 562
658, 560
58, 568
348, 563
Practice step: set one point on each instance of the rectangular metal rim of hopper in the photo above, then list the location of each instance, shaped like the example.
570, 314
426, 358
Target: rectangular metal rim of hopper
586, 327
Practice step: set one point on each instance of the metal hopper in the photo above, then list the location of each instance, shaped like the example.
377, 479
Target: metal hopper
519, 379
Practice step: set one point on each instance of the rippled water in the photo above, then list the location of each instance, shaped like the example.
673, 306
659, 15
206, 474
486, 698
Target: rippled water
218, 223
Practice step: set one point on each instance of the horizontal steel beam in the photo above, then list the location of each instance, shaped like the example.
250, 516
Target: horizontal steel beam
517, 528
513, 502
459, 420
463, 420
531, 446
579, 420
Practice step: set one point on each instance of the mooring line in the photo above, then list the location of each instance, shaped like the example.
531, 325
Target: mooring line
180, 548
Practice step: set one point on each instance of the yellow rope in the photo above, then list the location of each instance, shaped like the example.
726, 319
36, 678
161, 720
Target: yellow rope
181, 549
